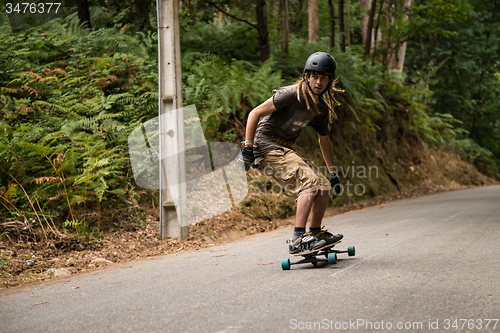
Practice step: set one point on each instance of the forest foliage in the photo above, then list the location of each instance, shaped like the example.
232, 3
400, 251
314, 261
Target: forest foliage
70, 95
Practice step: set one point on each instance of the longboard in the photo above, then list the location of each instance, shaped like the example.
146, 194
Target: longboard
312, 256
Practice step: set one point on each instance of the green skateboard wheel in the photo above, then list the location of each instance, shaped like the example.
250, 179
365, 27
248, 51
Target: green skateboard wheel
332, 258
285, 264
351, 251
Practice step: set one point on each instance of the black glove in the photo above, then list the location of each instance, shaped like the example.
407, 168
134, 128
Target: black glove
246, 158
335, 182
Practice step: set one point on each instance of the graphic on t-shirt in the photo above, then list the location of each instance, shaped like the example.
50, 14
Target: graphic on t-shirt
296, 123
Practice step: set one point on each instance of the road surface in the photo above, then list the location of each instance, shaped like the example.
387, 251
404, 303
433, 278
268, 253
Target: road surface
426, 264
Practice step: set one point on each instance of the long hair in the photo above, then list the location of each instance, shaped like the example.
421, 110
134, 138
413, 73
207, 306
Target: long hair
313, 100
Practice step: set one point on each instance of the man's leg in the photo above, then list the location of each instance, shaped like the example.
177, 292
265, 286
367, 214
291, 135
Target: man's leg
319, 208
305, 203
318, 212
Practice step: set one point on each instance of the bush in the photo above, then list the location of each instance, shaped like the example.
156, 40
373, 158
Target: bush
69, 101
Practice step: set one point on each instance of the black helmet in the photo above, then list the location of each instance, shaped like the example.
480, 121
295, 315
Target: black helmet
321, 62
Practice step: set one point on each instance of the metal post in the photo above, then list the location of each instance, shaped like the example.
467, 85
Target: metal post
172, 223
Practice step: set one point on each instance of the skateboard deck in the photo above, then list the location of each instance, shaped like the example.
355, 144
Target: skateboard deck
312, 256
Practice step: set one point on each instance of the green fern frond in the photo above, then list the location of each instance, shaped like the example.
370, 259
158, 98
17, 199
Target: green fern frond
11, 193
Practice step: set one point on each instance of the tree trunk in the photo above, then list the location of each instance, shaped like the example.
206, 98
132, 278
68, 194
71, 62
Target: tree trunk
142, 9
396, 49
312, 13
218, 20
262, 25
472, 131
332, 24
341, 25
368, 42
263, 29
285, 29
348, 23
365, 13
376, 33
82, 7
402, 47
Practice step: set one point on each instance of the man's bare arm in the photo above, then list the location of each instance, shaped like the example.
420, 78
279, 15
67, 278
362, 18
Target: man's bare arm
253, 118
326, 148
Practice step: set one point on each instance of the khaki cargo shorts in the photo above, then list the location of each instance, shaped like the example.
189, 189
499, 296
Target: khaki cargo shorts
293, 173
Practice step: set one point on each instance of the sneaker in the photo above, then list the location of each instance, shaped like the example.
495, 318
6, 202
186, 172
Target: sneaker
305, 243
328, 237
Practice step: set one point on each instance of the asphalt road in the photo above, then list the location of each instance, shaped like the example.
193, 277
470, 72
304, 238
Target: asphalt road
426, 264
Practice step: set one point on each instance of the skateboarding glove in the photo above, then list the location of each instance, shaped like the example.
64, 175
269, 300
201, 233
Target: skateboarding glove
335, 183
246, 158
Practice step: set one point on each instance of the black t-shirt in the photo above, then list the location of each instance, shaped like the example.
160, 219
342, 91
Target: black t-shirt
282, 127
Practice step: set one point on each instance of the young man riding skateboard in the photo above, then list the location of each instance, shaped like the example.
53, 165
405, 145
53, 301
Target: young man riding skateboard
272, 129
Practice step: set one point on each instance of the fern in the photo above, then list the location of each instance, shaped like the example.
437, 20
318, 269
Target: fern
67, 120
220, 90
